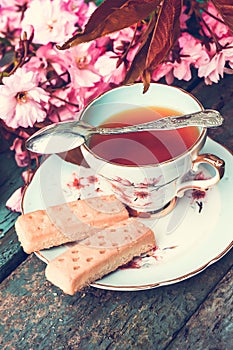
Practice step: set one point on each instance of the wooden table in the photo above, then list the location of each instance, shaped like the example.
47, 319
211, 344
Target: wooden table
193, 314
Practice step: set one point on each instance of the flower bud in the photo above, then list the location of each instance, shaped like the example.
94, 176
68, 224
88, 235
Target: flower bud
27, 33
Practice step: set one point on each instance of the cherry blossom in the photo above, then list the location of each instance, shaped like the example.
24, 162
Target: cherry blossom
22, 102
216, 26
183, 18
81, 65
121, 39
21, 154
48, 57
164, 70
14, 203
214, 70
227, 49
81, 9
15, 200
62, 111
106, 65
52, 23
192, 54
10, 16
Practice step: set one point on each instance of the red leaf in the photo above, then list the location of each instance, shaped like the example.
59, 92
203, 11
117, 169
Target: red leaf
165, 33
138, 64
225, 8
111, 16
158, 43
146, 78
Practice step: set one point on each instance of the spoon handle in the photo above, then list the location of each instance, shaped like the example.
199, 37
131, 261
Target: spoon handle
207, 118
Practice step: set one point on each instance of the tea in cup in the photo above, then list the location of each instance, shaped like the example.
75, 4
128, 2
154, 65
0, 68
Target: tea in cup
148, 170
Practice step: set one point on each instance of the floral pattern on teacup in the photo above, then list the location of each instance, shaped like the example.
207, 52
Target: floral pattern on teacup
131, 195
139, 196
147, 182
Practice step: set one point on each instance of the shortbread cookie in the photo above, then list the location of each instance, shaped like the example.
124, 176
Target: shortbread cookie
99, 255
68, 222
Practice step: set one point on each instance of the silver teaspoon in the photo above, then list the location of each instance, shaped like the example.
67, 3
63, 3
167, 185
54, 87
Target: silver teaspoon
64, 136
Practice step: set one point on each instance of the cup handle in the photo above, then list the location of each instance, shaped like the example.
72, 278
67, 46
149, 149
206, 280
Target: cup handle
203, 184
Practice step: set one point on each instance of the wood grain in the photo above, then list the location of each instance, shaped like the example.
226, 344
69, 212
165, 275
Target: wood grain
211, 325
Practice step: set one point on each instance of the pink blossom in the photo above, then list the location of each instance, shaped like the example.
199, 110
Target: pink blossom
121, 39
164, 70
216, 26
60, 97
81, 65
27, 175
227, 44
15, 200
182, 70
14, 203
5, 3
38, 63
76, 98
52, 23
192, 50
93, 92
22, 102
81, 9
48, 57
27, 31
183, 18
4, 18
10, 17
192, 54
106, 65
67, 111
213, 70
21, 154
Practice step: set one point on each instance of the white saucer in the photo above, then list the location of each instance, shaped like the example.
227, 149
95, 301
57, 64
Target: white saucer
194, 235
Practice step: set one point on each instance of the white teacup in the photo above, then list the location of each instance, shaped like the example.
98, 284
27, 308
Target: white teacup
149, 188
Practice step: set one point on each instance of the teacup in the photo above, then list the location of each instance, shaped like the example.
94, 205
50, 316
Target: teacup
149, 186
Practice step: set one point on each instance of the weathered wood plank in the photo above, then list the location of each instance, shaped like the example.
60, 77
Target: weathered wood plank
11, 253
97, 319
211, 326
10, 180
219, 96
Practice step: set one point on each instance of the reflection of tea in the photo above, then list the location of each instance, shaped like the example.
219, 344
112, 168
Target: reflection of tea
142, 148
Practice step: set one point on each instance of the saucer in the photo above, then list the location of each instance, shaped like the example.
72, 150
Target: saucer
194, 235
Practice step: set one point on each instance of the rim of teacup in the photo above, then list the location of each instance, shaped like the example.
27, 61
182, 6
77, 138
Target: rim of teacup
196, 145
